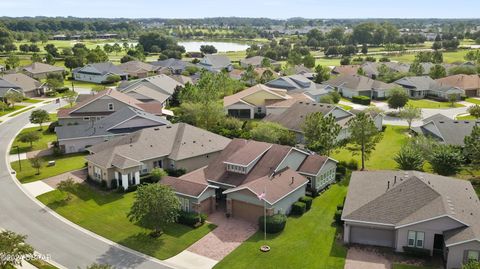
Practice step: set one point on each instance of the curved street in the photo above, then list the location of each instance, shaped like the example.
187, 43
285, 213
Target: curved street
65, 243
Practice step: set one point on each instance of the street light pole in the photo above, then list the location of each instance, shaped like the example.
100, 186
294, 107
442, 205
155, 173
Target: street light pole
19, 161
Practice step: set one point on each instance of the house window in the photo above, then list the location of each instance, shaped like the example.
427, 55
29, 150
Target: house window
110, 107
97, 173
473, 255
416, 239
184, 204
144, 168
259, 110
158, 164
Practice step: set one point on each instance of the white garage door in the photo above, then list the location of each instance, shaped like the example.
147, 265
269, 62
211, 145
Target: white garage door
372, 236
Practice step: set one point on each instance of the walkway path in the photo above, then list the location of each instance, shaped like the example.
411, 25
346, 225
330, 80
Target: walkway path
228, 235
358, 258
47, 185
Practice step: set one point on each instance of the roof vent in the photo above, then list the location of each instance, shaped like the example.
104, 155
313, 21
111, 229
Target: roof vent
156, 129
169, 126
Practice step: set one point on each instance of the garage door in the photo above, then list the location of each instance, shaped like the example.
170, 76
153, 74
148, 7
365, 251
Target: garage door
246, 211
372, 236
471, 93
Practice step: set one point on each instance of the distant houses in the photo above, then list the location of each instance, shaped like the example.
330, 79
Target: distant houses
356, 85
98, 72
41, 70
468, 83
138, 69
28, 86
424, 86
215, 63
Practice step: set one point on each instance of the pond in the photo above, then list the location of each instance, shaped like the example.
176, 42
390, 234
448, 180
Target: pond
220, 46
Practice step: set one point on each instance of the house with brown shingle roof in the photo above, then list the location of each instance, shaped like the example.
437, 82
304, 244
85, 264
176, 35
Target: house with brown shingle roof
410, 210
245, 169
172, 146
138, 69
357, 85
41, 70
29, 86
102, 104
469, 83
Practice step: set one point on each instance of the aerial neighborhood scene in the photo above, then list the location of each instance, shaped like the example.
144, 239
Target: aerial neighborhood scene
277, 134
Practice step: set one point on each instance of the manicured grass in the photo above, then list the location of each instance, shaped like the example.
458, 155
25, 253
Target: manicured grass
345, 107
40, 264
425, 103
309, 241
45, 138
10, 110
467, 117
31, 101
324, 61
21, 111
382, 158
473, 100
106, 214
63, 164
53, 117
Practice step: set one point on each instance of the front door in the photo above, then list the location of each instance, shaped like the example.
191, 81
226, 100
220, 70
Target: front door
438, 244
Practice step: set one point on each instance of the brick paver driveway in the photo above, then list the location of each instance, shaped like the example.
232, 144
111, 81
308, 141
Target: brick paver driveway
78, 176
360, 258
228, 235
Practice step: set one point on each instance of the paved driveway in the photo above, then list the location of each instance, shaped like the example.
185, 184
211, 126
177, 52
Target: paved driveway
228, 235
360, 258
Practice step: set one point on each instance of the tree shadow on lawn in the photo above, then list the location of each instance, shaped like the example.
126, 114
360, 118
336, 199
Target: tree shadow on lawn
144, 243
338, 249
119, 258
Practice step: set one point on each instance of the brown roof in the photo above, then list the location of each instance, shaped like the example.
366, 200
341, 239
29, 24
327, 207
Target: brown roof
184, 186
151, 107
40, 68
23, 81
249, 152
232, 99
464, 82
294, 116
312, 164
346, 69
295, 97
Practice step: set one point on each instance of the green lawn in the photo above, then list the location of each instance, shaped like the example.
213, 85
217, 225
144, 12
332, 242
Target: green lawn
45, 138
345, 107
53, 117
467, 117
40, 264
473, 100
20, 111
106, 214
307, 242
10, 110
63, 164
425, 103
382, 158
31, 101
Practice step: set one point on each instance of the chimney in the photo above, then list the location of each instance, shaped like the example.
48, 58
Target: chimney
293, 180
388, 185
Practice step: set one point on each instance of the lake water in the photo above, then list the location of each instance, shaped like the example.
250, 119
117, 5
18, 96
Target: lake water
220, 46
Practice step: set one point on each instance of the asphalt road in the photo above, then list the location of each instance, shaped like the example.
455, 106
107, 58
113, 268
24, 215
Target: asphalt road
49, 235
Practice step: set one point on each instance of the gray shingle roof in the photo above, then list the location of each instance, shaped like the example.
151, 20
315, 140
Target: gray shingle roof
107, 125
40, 68
358, 83
178, 142
413, 197
103, 68
26, 83
159, 87
448, 131
217, 61
293, 82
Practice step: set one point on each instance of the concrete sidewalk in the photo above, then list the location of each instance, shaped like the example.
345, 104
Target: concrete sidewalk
187, 259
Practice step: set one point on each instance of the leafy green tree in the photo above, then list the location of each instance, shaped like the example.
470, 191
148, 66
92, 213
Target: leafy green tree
157, 174
364, 136
12, 61
437, 57
70, 97
67, 186
50, 59
72, 62
474, 111
409, 158
3, 106
39, 116
416, 68
272, 132
397, 98
322, 74
452, 98
117, 48
309, 61
446, 160
36, 163
266, 62
266, 76
113, 79
36, 58
437, 71
410, 113
364, 49
12, 249
249, 76
96, 55
29, 137
208, 49
155, 206
326, 99
471, 265
108, 48
52, 50
294, 58
13, 97
54, 81
321, 133
472, 147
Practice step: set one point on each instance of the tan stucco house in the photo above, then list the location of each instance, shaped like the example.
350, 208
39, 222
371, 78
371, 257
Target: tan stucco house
174, 146
406, 210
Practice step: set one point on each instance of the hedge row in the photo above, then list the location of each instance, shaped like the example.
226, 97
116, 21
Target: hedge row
362, 100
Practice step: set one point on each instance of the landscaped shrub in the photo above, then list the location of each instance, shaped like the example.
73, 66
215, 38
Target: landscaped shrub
131, 188
275, 223
307, 200
114, 184
51, 127
362, 100
103, 184
298, 208
353, 165
338, 216
191, 218
120, 189
176, 172
417, 252
343, 166
62, 90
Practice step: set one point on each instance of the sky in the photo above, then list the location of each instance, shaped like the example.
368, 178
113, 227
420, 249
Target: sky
280, 9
